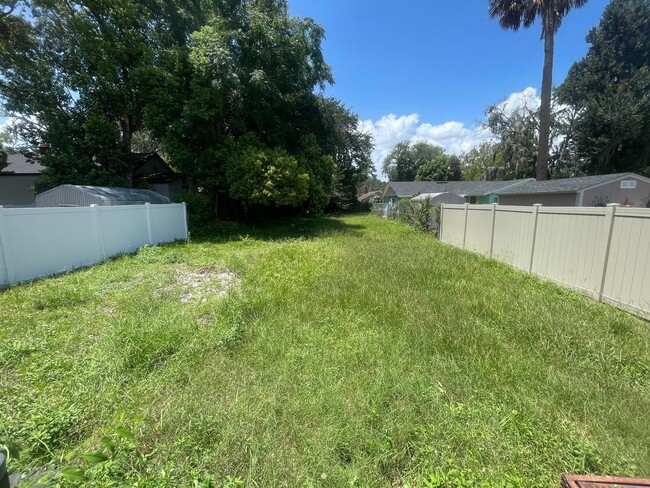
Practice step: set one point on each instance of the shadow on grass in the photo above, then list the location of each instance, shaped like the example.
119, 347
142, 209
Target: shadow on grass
277, 230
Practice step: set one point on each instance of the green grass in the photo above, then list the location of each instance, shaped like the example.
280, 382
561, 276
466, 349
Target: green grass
348, 352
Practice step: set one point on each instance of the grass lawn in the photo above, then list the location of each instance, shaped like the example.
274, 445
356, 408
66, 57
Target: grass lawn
324, 352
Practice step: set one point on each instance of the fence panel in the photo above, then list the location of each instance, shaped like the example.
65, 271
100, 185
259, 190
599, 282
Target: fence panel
124, 228
513, 235
570, 246
601, 251
627, 280
453, 224
479, 220
37, 242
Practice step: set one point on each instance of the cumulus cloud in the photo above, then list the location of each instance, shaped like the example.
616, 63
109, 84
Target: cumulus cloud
391, 129
454, 137
525, 98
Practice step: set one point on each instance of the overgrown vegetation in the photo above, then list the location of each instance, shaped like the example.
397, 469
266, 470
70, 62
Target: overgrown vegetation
347, 352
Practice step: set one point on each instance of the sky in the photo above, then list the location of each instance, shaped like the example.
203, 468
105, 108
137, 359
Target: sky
427, 69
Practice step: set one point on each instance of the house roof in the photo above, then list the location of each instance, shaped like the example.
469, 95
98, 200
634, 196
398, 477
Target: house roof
370, 194
17, 164
566, 185
462, 188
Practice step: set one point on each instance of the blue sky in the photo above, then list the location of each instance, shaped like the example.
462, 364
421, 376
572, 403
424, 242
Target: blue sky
435, 65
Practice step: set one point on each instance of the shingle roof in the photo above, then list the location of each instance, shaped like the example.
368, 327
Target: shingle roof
462, 188
17, 164
563, 185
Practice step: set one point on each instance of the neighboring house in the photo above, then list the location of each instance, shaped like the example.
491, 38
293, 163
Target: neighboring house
17, 181
84, 196
153, 171
370, 197
586, 191
471, 191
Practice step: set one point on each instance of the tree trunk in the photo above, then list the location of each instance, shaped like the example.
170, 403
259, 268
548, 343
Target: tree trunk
545, 108
127, 132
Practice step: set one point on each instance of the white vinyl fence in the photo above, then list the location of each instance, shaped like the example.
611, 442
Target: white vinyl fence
36, 242
603, 251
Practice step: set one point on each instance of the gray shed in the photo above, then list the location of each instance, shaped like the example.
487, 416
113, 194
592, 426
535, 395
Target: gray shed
83, 196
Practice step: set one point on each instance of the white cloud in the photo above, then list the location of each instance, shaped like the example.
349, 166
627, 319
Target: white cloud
525, 98
453, 136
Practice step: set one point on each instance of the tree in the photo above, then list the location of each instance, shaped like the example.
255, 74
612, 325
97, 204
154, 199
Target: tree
513, 14
441, 168
484, 162
610, 92
404, 160
81, 73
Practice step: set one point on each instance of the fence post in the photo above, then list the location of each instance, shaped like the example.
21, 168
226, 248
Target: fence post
97, 220
442, 212
147, 211
465, 229
610, 216
494, 221
3, 246
185, 219
535, 216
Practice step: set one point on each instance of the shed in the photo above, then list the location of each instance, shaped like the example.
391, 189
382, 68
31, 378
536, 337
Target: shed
83, 196
445, 197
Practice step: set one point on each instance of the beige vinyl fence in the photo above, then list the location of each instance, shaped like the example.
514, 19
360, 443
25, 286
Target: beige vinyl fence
602, 251
37, 242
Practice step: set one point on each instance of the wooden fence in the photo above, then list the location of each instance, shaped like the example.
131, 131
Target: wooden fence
602, 251
37, 242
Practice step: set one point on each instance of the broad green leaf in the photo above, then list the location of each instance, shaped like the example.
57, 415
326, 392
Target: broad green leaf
73, 474
107, 442
95, 457
124, 432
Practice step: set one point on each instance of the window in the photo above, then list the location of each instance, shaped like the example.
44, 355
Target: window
629, 184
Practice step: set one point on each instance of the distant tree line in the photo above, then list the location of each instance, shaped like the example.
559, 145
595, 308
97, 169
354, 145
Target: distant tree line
226, 90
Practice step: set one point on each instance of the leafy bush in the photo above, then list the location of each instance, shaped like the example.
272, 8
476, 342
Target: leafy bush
423, 215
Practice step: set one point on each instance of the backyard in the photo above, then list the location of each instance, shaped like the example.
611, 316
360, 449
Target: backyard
343, 351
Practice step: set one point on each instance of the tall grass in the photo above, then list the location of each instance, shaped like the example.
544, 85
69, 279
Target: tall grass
349, 352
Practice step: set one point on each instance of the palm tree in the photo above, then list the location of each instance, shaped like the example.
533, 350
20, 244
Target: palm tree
513, 14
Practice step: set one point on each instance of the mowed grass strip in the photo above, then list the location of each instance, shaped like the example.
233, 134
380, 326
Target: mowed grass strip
323, 352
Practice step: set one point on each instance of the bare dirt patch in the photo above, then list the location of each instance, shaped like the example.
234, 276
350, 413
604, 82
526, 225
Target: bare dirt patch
205, 283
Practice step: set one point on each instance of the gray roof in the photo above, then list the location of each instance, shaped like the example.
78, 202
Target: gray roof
564, 185
17, 164
81, 195
462, 188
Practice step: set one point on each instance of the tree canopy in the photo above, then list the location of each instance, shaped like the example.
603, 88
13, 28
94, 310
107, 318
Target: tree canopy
227, 89
610, 91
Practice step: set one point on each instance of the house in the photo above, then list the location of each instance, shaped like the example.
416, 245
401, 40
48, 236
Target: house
153, 171
17, 181
84, 196
471, 191
370, 197
586, 191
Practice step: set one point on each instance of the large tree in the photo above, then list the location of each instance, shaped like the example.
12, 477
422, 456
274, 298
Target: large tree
610, 92
514, 14
406, 158
81, 73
